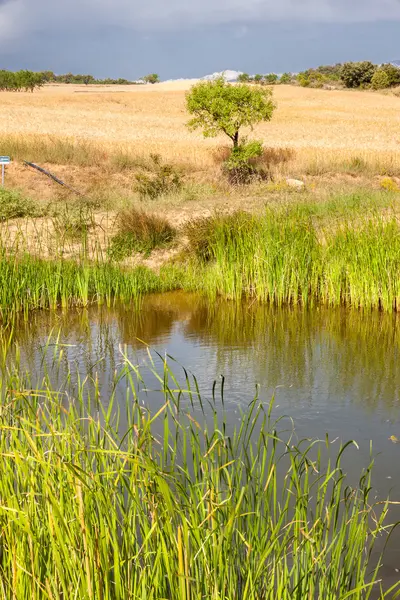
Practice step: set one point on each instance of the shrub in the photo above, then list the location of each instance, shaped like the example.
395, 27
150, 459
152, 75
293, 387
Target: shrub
286, 78
357, 74
241, 166
380, 80
303, 79
271, 78
13, 205
139, 231
392, 72
161, 179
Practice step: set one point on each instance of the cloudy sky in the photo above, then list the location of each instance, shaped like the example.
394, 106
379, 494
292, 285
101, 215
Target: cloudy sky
190, 38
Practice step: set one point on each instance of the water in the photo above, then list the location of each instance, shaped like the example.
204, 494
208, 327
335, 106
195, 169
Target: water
332, 371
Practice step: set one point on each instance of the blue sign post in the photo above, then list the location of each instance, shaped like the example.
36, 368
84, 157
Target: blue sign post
4, 160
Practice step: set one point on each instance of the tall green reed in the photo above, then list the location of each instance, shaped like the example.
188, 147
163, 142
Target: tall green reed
103, 500
286, 256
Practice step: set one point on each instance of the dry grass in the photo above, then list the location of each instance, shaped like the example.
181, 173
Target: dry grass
320, 126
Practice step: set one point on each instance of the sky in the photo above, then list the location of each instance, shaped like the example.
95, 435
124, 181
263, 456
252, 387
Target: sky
192, 38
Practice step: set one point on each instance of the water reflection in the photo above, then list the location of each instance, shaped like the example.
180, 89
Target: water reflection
346, 355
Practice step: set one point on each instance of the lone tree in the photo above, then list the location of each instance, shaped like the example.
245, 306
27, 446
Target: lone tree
152, 78
219, 107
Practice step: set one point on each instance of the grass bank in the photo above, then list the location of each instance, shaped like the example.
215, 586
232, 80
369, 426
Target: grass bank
112, 501
302, 254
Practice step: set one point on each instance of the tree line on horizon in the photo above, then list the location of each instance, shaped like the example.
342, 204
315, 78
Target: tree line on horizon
25, 80
362, 75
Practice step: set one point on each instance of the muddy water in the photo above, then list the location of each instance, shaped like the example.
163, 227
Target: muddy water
332, 371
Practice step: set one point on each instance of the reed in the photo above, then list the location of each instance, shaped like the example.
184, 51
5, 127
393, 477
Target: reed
29, 283
289, 257
299, 254
109, 500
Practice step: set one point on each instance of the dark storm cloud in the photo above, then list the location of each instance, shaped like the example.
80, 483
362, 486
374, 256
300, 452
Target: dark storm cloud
192, 37
22, 16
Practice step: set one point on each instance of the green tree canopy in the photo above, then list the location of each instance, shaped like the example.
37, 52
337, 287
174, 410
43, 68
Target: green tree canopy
380, 80
151, 78
286, 78
355, 74
219, 107
271, 78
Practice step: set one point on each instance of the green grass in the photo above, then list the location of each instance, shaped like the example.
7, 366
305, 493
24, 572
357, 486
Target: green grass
290, 257
28, 283
101, 500
303, 254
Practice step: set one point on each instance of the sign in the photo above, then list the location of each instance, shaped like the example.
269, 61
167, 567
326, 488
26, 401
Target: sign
4, 160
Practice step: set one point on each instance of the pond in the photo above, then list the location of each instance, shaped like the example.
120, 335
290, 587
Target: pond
333, 372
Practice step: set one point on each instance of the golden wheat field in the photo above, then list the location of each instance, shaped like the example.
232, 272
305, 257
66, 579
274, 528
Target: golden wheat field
320, 125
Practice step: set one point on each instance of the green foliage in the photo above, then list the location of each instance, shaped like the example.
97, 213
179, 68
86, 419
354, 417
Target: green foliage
285, 79
393, 74
141, 232
21, 80
303, 79
13, 205
258, 78
244, 78
331, 72
357, 74
271, 78
78, 79
151, 78
241, 165
380, 80
311, 78
159, 180
219, 107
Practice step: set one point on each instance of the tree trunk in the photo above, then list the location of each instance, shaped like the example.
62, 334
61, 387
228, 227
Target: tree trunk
236, 140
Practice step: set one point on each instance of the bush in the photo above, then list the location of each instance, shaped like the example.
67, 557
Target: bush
241, 165
393, 74
13, 205
380, 80
357, 74
285, 79
139, 232
161, 179
271, 79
